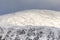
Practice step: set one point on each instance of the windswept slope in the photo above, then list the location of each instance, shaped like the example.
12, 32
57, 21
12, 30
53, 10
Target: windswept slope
32, 17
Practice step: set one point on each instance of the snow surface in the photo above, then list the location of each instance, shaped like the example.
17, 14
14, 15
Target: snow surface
33, 17
45, 25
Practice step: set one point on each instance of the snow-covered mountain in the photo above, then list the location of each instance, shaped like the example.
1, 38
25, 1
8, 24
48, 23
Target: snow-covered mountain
32, 17
43, 25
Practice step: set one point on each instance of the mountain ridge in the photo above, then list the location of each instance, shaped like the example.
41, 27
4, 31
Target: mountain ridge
32, 17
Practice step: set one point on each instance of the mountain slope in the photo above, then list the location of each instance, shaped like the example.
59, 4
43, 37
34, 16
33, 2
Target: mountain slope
32, 17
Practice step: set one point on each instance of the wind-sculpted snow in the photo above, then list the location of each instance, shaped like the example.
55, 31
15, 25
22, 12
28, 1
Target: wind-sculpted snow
30, 33
32, 17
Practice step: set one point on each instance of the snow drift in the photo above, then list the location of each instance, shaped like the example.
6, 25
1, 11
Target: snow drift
32, 17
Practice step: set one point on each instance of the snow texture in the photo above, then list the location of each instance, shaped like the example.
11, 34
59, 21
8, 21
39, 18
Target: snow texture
33, 17
30, 33
45, 25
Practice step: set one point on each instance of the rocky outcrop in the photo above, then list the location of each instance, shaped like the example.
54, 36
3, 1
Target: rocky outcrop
30, 33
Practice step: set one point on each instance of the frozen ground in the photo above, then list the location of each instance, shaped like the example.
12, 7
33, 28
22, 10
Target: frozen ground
30, 33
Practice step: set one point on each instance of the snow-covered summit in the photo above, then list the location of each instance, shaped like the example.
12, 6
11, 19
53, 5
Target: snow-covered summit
32, 17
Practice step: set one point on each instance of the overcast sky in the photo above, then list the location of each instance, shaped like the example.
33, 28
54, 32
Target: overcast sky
9, 6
